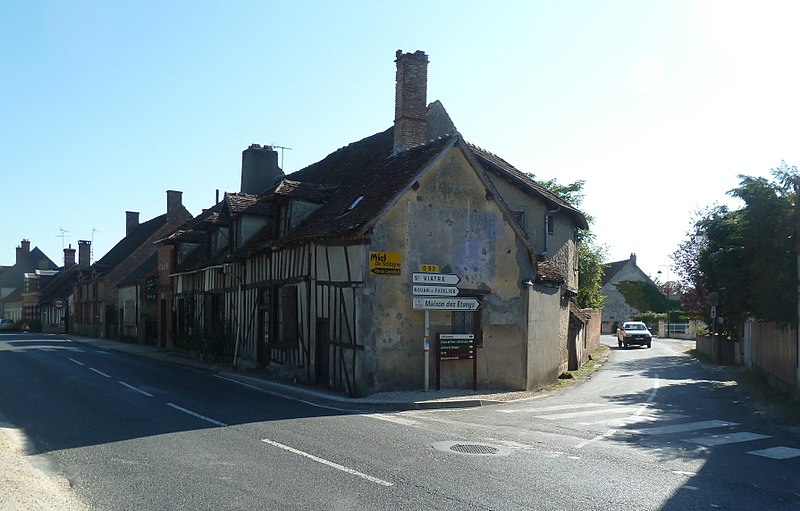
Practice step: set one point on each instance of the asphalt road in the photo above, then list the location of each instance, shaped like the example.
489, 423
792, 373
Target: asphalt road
652, 430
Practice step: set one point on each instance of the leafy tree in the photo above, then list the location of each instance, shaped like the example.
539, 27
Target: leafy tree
590, 274
747, 255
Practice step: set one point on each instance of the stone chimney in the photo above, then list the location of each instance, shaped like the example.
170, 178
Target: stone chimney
131, 221
410, 107
84, 254
69, 257
633, 258
23, 250
174, 204
260, 169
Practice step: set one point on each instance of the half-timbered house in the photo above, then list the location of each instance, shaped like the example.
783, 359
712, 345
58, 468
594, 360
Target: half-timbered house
310, 276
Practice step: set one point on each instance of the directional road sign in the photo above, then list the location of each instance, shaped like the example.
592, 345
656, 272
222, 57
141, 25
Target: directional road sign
445, 304
419, 290
442, 279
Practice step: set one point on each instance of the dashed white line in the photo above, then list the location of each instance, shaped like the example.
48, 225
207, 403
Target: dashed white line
393, 418
193, 414
140, 391
76, 362
777, 453
328, 463
101, 373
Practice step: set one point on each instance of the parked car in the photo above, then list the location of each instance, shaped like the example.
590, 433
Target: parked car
634, 332
7, 325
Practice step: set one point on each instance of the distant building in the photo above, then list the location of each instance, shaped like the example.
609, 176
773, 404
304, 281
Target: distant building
12, 281
615, 308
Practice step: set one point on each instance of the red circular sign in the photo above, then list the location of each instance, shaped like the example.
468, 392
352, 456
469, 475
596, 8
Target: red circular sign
58, 303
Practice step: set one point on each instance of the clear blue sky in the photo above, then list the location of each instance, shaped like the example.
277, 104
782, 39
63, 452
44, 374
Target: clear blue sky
105, 105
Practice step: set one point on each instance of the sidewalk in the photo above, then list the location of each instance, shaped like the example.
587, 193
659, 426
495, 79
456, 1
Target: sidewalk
384, 401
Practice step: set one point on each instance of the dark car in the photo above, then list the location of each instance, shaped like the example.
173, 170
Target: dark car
634, 332
7, 325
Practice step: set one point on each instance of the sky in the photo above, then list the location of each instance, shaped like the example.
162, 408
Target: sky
658, 106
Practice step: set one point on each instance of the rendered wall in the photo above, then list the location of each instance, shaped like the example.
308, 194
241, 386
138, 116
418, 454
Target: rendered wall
447, 221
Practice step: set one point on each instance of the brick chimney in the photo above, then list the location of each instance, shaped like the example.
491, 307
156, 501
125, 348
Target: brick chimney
410, 107
84, 254
174, 204
69, 257
260, 169
131, 221
23, 250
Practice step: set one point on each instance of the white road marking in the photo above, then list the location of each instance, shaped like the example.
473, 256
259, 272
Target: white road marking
553, 408
687, 487
572, 415
140, 391
393, 418
101, 373
76, 361
732, 438
777, 453
193, 414
639, 412
682, 473
283, 396
616, 421
689, 426
328, 463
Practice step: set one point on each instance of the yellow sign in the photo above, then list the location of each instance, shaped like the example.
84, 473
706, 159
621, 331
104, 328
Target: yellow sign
429, 268
385, 263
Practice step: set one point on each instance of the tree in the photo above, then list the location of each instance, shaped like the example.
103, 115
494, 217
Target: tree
747, 255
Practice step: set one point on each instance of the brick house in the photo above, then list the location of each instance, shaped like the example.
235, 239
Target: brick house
97, 309
309, 276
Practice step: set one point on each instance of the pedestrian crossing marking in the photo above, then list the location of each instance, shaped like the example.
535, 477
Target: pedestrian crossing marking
683, 428
572, 415
777, 453
732, 438
636, 419
553, 408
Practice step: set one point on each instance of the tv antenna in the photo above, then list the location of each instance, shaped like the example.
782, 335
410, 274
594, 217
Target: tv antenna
282, 148
91, 247
62, 236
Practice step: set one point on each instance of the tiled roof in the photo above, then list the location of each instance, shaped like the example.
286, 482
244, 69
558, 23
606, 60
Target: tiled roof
238, 202
310, 192
14, 276
611, 269
502, 168
368, 177
546, 271
142, 270
61, 285
129, 244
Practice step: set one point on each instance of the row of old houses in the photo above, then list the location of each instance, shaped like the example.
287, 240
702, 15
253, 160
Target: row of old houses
357, 272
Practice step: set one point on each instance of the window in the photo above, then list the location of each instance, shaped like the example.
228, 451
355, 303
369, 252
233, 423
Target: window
519, 218
551, 224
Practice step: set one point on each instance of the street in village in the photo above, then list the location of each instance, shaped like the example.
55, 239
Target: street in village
652, 429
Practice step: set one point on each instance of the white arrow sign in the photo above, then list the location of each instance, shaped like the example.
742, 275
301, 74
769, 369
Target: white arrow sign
434, 290
447, 279
445, 304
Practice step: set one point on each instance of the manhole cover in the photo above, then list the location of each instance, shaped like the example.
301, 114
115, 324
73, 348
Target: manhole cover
474, 449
